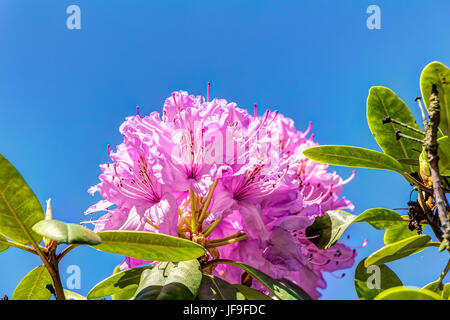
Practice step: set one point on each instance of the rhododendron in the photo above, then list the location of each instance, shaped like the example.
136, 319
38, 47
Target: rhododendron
242, 178
222, 203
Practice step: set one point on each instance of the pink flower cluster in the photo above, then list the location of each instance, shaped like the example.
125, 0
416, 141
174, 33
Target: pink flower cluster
264, 187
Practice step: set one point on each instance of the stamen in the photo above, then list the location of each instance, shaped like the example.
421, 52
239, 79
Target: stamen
108, 149
337, 277
308, 238
94, 222
307, 130
360, 246
255, 110
175, 101
266, 114
321, 196
350, 178
273, 119
137, 110
318, 263
207, 93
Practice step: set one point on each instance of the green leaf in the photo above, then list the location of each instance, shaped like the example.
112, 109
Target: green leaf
381, 103
444, 155
214, 288
438, 287
149, 246
353, 157
69, 233
409, 162
250, 293
327, 229
438, 74
70, 295
124, 283
445, 245
446, 292
33, 285
276, 287
435, 286
299, 291
19, 207
402, 293
398, 232
398, 250
380, 277
170, 281
3, 243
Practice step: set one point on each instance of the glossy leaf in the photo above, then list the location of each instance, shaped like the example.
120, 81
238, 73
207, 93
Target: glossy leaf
33, 285
124, 283
327, 229
367, 281
250, 293
3, 243
444, 155
409, 162
438, 287
438, 74
149, 246
214, 288
19, 207
276, 287
170, 281
398, 232
70, 295
446, 292
381, 103
69, 233
353, 157
398, 250
402, 293
294, 287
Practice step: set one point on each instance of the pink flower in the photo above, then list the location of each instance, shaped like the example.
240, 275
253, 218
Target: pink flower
262, 189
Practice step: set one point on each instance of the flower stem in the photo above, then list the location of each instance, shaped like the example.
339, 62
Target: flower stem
236, 235
193, 211
223, 243
212, 227
203, 215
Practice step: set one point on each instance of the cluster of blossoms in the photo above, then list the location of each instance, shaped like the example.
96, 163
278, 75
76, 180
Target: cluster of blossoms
234, 182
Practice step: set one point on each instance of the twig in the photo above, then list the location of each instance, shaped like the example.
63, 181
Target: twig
389, 120
66, 251
444, 273
399, 134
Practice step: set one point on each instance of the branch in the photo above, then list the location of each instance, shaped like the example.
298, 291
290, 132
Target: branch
431, 147
444, 273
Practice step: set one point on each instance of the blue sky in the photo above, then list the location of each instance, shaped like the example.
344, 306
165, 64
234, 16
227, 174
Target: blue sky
64, 93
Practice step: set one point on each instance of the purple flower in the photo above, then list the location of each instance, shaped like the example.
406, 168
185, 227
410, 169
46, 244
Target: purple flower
262, 190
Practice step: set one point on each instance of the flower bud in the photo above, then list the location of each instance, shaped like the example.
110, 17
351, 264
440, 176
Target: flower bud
48, 216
